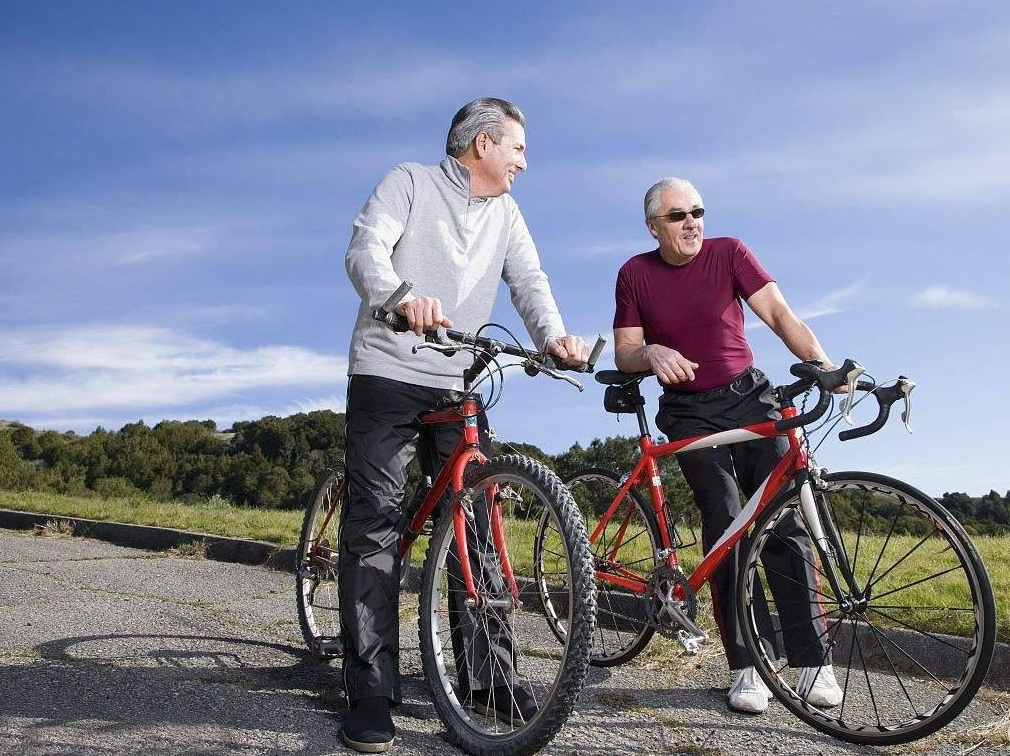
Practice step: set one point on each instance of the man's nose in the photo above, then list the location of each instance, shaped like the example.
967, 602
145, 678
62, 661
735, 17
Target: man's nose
521, 165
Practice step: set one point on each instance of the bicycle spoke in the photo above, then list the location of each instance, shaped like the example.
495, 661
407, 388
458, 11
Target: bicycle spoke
917, 582
866, 674
798, 553
890, 532
876, 635
903, 558
803, 585
917, 630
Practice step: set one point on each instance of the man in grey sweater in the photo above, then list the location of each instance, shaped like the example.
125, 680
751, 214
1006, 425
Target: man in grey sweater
454, 232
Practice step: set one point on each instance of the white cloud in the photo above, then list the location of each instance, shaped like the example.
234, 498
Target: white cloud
832, 303
84, 368
942, 297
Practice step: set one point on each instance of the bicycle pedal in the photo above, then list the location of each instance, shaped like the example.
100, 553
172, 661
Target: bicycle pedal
691, 643
328, 647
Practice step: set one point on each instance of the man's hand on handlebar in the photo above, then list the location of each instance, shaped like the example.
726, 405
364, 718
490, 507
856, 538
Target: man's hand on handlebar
423, 314
828, 366
669, 365
570, 350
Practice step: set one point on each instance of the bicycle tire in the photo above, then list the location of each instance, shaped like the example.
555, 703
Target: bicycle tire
884, 625
553, 671
316, 567
622, 627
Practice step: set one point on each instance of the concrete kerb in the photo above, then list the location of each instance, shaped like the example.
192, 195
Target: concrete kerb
220, 548
271, 555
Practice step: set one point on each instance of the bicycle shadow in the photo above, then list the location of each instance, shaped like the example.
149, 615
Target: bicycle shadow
172, 694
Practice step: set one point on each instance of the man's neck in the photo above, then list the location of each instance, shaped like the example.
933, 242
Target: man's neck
478, 186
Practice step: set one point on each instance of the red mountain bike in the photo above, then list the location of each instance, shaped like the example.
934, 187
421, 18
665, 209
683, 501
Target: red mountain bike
901, 593
482, 604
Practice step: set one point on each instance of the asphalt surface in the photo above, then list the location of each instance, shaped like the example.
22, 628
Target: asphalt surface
111, 650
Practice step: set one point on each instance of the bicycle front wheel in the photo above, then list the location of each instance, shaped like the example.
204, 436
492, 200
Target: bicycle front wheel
908, 622
502, 681
624, 556
316, 568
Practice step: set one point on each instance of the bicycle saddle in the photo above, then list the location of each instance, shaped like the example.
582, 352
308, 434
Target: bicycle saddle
616, 377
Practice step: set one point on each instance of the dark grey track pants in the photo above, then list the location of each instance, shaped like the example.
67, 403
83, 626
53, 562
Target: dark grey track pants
713, 475
381, 440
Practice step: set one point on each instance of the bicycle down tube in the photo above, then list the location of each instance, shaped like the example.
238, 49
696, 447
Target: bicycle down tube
647, 468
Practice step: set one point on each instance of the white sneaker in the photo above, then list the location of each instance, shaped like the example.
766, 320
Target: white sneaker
748, 693
818, 686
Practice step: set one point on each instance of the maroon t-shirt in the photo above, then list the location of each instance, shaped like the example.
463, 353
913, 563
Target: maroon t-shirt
694, 308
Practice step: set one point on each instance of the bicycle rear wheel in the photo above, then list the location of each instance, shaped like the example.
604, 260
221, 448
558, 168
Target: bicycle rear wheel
626, 548
476, 654
316, 568
911, 635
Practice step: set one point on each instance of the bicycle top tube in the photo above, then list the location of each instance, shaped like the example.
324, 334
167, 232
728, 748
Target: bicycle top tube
811, 376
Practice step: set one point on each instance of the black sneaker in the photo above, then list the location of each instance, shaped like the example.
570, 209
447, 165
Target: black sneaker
511, 704
368, 727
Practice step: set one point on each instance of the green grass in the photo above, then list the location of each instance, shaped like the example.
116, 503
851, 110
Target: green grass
282, 527
275, 526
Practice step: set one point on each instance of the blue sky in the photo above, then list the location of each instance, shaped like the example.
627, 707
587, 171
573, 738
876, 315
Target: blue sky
178, 180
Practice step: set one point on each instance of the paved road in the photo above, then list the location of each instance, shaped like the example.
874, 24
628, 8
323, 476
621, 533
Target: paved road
108, 650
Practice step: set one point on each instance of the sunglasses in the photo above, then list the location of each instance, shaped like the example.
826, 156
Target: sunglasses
675, 216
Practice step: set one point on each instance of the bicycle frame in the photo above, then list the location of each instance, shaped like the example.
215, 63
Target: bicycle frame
467, 450
450, 477
647, 471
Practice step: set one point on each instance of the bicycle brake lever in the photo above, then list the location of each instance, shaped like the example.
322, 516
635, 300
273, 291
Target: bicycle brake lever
906, 385
529, 365
443, 348
851, 380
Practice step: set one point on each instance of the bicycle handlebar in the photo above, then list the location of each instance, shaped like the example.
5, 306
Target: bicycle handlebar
811, 375
885, 398
444, 340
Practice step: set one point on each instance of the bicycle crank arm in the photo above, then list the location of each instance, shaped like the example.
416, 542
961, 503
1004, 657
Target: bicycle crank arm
690, 636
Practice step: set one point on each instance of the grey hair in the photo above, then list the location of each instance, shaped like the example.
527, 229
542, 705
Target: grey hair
485, 114
670, 182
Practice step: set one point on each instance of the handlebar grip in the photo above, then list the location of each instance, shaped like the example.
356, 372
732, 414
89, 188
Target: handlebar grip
601, 342
394, 299
807, 417
392, 319
590, 365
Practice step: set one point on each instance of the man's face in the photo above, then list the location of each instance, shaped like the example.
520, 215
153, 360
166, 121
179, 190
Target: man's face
503, 161
679, 241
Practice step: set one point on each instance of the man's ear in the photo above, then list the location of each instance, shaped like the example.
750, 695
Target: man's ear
652, 231
480, 144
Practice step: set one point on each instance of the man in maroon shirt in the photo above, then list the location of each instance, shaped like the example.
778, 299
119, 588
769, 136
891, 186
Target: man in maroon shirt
680, 315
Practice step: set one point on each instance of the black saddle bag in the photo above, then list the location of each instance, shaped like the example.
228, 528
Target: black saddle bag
622, 399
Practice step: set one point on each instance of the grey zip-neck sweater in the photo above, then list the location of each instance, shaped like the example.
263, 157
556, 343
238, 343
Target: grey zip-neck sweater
421, 225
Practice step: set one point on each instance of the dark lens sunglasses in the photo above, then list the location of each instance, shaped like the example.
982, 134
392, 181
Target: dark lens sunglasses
676, 216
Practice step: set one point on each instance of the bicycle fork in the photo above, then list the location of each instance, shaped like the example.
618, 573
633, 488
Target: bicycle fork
827, 541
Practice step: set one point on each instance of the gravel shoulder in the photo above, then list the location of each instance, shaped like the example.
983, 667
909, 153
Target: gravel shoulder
112, 650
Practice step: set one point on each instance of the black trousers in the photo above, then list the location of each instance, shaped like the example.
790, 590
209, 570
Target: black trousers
713, 475
381, 440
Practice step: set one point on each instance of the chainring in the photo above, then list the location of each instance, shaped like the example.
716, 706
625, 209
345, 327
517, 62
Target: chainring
660, 595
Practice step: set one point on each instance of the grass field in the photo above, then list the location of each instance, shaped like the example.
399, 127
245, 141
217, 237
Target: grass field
282, 527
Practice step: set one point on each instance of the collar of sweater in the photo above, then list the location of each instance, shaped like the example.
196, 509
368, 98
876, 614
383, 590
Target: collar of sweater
459, 176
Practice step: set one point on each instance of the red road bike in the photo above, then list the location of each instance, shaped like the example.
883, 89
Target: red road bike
901, 593
482, 606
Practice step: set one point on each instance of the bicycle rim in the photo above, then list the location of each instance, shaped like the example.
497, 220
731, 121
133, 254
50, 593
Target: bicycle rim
505, 639
910, 640
316, 573
625, 548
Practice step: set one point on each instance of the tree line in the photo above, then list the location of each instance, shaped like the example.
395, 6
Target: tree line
274, 462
